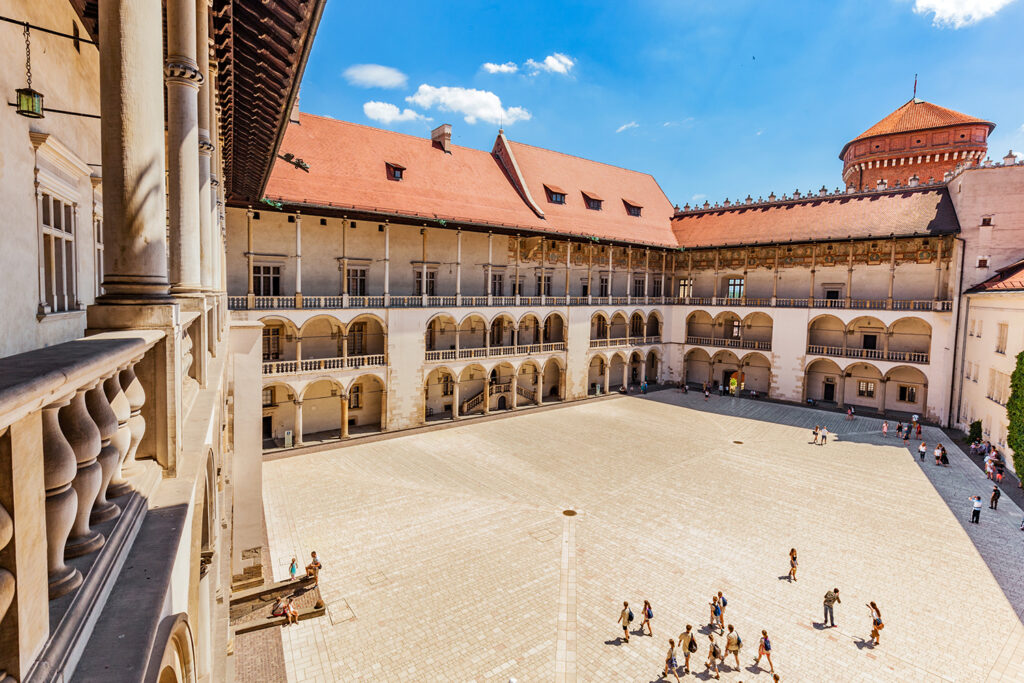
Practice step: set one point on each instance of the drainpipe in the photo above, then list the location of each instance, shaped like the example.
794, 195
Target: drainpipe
956, 334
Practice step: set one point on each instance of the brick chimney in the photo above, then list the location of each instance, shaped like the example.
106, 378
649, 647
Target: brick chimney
442, 137
1009, 159
914, 181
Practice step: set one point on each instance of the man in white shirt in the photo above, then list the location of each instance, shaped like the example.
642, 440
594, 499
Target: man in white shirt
976, 513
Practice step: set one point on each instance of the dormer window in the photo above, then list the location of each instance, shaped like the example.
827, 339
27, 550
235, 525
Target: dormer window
556, 195
632, 208
395, 171
592, 201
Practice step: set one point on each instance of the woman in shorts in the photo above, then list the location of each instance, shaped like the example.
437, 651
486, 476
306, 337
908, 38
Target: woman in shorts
764, 649
876, 621
670, 660
792, 564
647, 613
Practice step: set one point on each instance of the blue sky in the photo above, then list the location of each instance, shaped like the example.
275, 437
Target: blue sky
715, 99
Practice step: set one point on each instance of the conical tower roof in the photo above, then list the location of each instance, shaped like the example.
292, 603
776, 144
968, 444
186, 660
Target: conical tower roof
916, 115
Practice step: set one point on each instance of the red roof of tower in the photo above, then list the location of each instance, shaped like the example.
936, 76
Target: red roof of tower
916, 115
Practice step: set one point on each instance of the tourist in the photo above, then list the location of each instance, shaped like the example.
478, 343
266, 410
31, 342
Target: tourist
643, 387
279, 608
688, 643
906, 437
293, 569
918, 428
291, 612
1000, 468
716, 612
625, 617
792, 564
899, 428
706, 393
722, 603
876, 621
885, 428
849, 413
647, 613
976, 512
670, 660
988, 466
824, 436
313, 568
733, 644
831, 598
764, 649
922, 449
714, 654
938, 454
993, 501
814, 434
943, 456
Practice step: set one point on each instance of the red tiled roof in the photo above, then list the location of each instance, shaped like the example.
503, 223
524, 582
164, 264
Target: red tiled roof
902, 212
917, 115
598, 181
1009, 278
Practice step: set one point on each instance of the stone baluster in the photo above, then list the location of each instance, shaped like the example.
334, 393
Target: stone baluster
84, 438
7, 581
110, 456
186, 353
59, 468
122, 438
136, 396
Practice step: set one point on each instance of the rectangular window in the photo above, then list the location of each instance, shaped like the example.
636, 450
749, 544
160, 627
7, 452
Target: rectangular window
60, 292
556, 197
357, 339
271, 343
517, 285
908, 394
970, 328
584, 287
656, 287
447, 386
638, 286
357, 281
734, 288
498, 284
99, 253
1001, 341
431, 280
266, 280
592, 204
355, 396
268, 397
685, 287
544, 285
866, 389
633, 210
604, 286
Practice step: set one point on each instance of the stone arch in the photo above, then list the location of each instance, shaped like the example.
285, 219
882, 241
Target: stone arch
699, 324
697, 367
366, 335
278, 411
501, 329
473, 331
655, 324
826, 330
653, 363
867, 334
439, 332
503, 377
599, 325
439, 393
757, 373
863, 386
823, 381
728, 325
636, 324
595, 374
471, 386
910, 335
530, 330
617, 371
555, 325
321, 337
551, 379
637, 366
321, 407
757, 327
280, 337
906, 390
619, 325
724, 364
530, 380
176, 661
367, 404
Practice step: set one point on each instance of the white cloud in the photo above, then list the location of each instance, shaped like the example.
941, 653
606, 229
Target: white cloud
473, 104
682, 122
506, 68
385, 112
627, 126
698, 197
959, 13
556, 63
758, 133
374, 76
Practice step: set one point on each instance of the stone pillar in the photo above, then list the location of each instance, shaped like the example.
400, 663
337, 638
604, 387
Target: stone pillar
251, 293
109, 457
344, 416
561, 384
84, 438
490, 260
625, 374
183, 78
539, 387
455, 399
298, 423
610, 280
458, 268
208, 256
607, 378
487, 393
841, 390
59, 467
384, 409
541, 282
132, 125
247, 530
298, 260
122, 438
387, 263
881, 405
516, 284
513, 389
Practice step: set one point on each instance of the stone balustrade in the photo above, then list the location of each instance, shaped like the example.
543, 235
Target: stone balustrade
319, 365
918, 357
435, 356
731, 343
615, 342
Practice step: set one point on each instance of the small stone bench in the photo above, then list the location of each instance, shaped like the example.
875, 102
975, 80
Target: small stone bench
305, 613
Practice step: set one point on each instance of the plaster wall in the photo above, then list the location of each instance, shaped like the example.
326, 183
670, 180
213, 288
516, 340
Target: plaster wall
994, 193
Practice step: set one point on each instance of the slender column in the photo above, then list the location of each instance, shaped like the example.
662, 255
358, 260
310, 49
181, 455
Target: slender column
513, 389
298, 423
84, 438
59, 466
487, 393
643, 370
714, 291
208, 257
689, 273
775, 279
458, 268
344, 416
298, 348
629, 275
183, 78
625, 374
344, 262
132, 125
298, 260
519, 251
515, 335
539, 387
881, 405
841, 398
664, 265
109, 457
122, 438
611, 265
849, 277
455, 398
387, 263
490, 260
590, 275
647, 272
383, 410
607, 373
568, 268
456, 341
487, 336
251, 293
938, 270
810, 292
561, 384
892, 273
543, 258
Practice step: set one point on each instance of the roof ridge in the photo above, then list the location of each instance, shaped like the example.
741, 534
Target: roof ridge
576, 156
804, 199
385, 130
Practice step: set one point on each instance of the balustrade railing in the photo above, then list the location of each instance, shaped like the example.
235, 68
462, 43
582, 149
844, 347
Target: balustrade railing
494, 351
308, 365
919, 357
731, 343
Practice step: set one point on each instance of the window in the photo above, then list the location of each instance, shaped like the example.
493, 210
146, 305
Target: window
656, 287
99, 251
602, 328
447, 385
584, 287
268, 397
355, 396
60, 292
497, 332
734, 288
544, 285
357, 281
497, 284
987, 220
271, 343
556, 197
735, 328
593, 203
970, 328
632, 209
517, 285
1001, 341
357, 339
636, 326
604, 286
685, 287
395, 171
638, 286
431, 280
266, 280
907, 393
998, 386
982, 262
866, 389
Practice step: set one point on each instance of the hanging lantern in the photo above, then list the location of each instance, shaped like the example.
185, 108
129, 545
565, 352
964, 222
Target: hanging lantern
30, 102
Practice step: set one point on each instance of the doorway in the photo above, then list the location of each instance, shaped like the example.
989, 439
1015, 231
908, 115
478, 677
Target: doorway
871, 341
268, 426
828, 391
502, 403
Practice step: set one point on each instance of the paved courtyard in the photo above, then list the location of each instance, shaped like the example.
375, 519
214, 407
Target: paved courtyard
448, 557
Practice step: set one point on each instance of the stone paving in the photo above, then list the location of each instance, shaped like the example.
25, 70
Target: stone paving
448, 558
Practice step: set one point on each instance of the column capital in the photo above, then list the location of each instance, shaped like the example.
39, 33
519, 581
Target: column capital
182, 70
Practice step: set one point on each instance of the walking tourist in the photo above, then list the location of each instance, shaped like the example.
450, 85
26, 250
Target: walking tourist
764, 649
293, 569
792, 564
714, 654
733, 644
918, 429
706, 393
976, 512
814, 434
938, 454
993, 501
625, 617
647, 613
688, 642
723, 603
899, 428
943, 456
670, 660
885, 428
313, 568
849, 413
824, 436
906, 437
876, 621
1000, 469
716, 612
831, 598
922, 449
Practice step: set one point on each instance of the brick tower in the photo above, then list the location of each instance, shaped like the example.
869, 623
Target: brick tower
919, 139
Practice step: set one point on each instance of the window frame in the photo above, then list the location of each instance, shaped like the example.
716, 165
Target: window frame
865, 388
356, 275
355, 397
262, 281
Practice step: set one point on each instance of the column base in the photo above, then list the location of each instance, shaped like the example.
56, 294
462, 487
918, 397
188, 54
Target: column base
187, 289
104, 513
118, 490
64, 582
94, 540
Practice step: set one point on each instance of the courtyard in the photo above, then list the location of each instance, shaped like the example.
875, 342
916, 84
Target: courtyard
448, 557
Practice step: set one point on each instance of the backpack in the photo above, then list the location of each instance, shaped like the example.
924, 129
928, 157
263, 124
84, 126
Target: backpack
716, 652
692, 647
650, 613
739, 641
725, 603
630, 616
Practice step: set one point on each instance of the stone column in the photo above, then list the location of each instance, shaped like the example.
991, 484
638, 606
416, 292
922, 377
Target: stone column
298, 260
384, 409
841, 388
490, 260
387, 264
513, 389
183, 79
487, 393
561, 384
458, 268
59, 467
607, 378
132, 126
455, 399
208, 258
251, 293
881, 405
625, 374
344, 416
298, 423
539, 387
